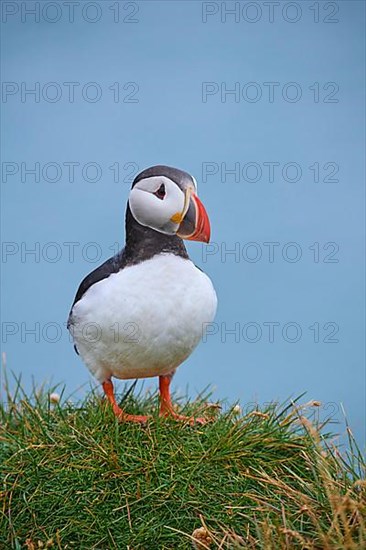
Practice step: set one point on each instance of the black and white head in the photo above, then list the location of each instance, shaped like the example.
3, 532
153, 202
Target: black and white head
165, 199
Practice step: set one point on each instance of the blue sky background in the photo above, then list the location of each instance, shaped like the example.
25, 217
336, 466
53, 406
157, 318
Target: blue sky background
169, 52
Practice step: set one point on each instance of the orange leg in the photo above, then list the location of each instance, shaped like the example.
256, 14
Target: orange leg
166, 406
122, 416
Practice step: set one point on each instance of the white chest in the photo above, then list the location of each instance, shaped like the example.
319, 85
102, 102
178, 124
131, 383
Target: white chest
144, 320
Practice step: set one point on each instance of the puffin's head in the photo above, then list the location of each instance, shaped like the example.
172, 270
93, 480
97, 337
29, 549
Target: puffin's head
165, 199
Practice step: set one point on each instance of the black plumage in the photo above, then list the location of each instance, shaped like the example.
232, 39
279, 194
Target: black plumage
142, 243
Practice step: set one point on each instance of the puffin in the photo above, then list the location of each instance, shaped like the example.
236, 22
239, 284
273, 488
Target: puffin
142, 312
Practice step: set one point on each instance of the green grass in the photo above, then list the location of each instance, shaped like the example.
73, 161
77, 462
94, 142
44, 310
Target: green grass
73, 477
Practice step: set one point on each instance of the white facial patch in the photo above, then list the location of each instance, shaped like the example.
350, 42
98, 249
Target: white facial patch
154, 212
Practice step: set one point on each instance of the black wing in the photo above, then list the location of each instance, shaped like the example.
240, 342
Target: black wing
113, 265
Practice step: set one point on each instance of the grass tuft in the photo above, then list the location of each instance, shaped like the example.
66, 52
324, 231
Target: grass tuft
73, 477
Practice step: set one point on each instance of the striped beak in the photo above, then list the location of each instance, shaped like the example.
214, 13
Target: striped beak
195, 225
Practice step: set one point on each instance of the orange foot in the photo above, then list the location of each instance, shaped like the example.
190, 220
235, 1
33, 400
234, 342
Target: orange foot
166, 406
119, 413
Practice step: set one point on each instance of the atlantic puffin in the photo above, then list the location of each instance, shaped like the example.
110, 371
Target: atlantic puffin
142, 312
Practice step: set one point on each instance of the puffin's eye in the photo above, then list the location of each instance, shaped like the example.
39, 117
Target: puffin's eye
160, 193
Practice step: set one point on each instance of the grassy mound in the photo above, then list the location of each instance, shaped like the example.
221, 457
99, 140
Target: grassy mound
73, 477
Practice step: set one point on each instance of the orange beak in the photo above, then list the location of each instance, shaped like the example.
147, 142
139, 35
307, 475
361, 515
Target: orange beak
195, 225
